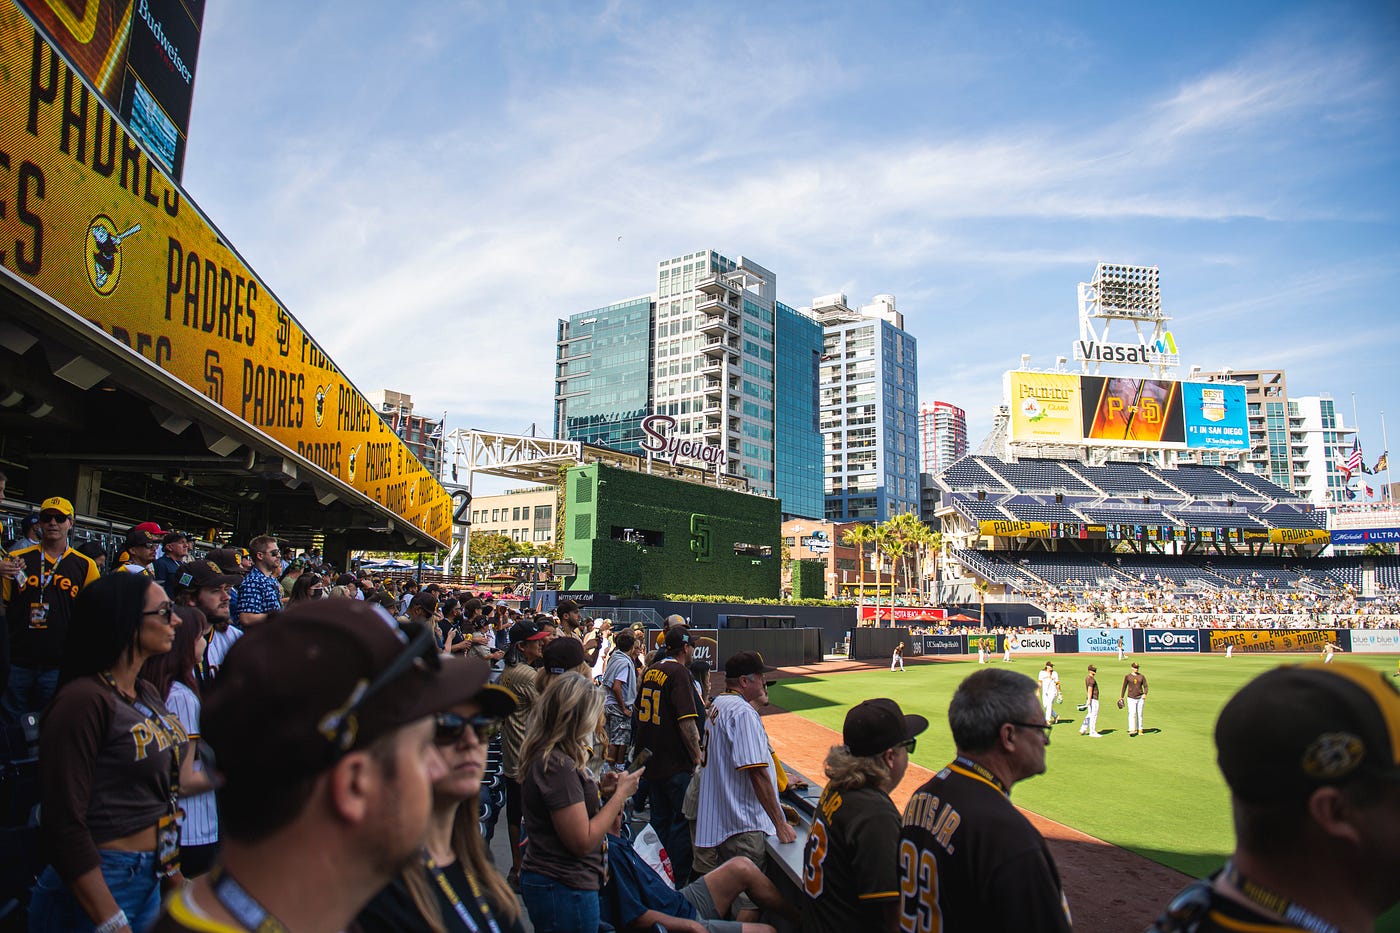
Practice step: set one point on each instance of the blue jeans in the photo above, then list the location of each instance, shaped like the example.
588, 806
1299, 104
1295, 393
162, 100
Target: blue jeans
29, 691
130, 876
557, 908
668, 819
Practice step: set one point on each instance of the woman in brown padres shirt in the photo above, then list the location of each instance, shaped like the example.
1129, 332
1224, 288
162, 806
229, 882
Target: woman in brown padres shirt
109, 758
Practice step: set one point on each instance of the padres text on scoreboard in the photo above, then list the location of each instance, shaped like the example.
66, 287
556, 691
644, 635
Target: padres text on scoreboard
90, 220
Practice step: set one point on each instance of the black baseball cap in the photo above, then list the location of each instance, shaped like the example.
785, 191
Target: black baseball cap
201, 573
1296, 728
174, 536
566, 605
526, 630
226, 558
745, 662
563, 654
874, 726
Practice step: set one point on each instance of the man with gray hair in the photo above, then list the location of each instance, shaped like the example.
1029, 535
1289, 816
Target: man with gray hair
991, 867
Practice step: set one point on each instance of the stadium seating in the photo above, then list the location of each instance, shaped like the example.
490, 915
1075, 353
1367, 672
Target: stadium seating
1040, 509
1210, 483
1288, 516
1208, 518
1113, 512
969, 474
1124, 479
979, 510
1037, 476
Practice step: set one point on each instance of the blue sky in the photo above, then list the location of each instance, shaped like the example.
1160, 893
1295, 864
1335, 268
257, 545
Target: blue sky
429, 186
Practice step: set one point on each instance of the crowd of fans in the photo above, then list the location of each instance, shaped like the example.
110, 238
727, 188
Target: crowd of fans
1161, 604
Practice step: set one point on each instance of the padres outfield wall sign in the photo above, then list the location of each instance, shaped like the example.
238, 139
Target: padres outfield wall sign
90, 220
1265, 640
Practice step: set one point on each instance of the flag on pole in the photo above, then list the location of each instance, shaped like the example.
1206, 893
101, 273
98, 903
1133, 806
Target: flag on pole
1383, 463
1354, 462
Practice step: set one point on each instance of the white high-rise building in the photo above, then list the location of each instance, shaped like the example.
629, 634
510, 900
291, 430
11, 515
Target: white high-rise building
1325, 446
869, 409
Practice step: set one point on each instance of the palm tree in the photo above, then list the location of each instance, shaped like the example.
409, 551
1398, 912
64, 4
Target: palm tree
884, 540
857, 536
912, 534
982, 586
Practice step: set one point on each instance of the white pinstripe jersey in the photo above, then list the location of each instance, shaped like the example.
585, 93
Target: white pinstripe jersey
200, 825
735, 741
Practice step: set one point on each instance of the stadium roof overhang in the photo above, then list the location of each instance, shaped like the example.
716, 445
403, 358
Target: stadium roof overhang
83, 416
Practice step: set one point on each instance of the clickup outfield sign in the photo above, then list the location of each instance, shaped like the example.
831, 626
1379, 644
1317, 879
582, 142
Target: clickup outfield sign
660, 442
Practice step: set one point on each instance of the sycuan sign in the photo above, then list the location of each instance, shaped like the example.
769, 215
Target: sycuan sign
659, 441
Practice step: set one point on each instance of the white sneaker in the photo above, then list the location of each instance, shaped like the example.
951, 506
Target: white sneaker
1083, 732
1095, 735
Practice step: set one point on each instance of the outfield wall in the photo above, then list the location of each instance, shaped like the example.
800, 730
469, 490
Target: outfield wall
874, 643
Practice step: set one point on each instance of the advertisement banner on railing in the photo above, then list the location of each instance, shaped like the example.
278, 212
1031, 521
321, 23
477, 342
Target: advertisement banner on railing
1269, 640
1034, 643
1375, 640
944, 644
903, 613
990, 643
1106, 640
1365, 536
1173, 640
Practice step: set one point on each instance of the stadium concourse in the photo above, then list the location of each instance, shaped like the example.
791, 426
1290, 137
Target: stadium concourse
1136, 544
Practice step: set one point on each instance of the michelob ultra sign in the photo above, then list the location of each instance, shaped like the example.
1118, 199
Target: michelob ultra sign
91, 221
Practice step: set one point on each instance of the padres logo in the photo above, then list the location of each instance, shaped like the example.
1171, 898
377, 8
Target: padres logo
102, 256
320, 407
1332, 755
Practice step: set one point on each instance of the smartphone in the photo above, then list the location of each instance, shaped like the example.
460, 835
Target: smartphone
640, 761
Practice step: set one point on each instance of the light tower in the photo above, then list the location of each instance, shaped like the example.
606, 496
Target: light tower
1130, 294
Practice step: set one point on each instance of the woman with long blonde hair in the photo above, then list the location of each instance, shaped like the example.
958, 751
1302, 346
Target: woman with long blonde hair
565, 819
453, 886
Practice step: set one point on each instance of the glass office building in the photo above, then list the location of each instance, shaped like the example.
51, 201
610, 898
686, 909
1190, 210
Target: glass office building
798, 435
602, 376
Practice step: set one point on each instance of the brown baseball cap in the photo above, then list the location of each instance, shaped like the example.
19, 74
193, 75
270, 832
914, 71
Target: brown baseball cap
874, 726
227, 560
327, 677
1296, 728
201, 573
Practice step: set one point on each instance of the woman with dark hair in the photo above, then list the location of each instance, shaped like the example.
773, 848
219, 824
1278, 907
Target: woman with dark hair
308, 586
175, 676
109, 766
453, 887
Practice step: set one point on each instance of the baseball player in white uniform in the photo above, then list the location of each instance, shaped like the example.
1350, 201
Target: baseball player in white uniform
1329, 651
981, 651
898, 658
1230, 650
1049, 690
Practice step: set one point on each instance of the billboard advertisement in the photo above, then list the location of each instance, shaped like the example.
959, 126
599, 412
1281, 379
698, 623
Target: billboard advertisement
1375, 640
1105, 640
1173, 640
1119, 409
139, 55
1269, 640
1010, 529
1034, 643
1044, 407
1365, 536
944, 644
93, 223
1216, 417
904, 613
1299, 536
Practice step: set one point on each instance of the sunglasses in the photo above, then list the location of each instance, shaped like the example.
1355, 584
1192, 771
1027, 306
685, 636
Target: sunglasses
450, 728
908, 746
56, 519
1032, 725
164, 612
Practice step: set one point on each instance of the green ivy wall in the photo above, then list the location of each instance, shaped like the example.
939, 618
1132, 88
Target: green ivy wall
697, 527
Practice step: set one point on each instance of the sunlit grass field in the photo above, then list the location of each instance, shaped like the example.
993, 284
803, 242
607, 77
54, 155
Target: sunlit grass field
1159, 794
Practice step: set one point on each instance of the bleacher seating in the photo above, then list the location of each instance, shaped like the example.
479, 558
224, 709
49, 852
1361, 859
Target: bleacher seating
1261, 485
978, 509
1122, 513
1288, 516
1069, 569
1150, 569
1038, 476
1125, 479
1208, 483
1208, 518
992, 568
970, 474
1040, 509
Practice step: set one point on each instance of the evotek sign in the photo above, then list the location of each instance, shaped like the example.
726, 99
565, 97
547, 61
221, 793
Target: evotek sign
657, 429
1173, 640
1162, 352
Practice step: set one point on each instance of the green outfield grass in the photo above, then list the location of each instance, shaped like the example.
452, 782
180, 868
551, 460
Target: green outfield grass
1158, 794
